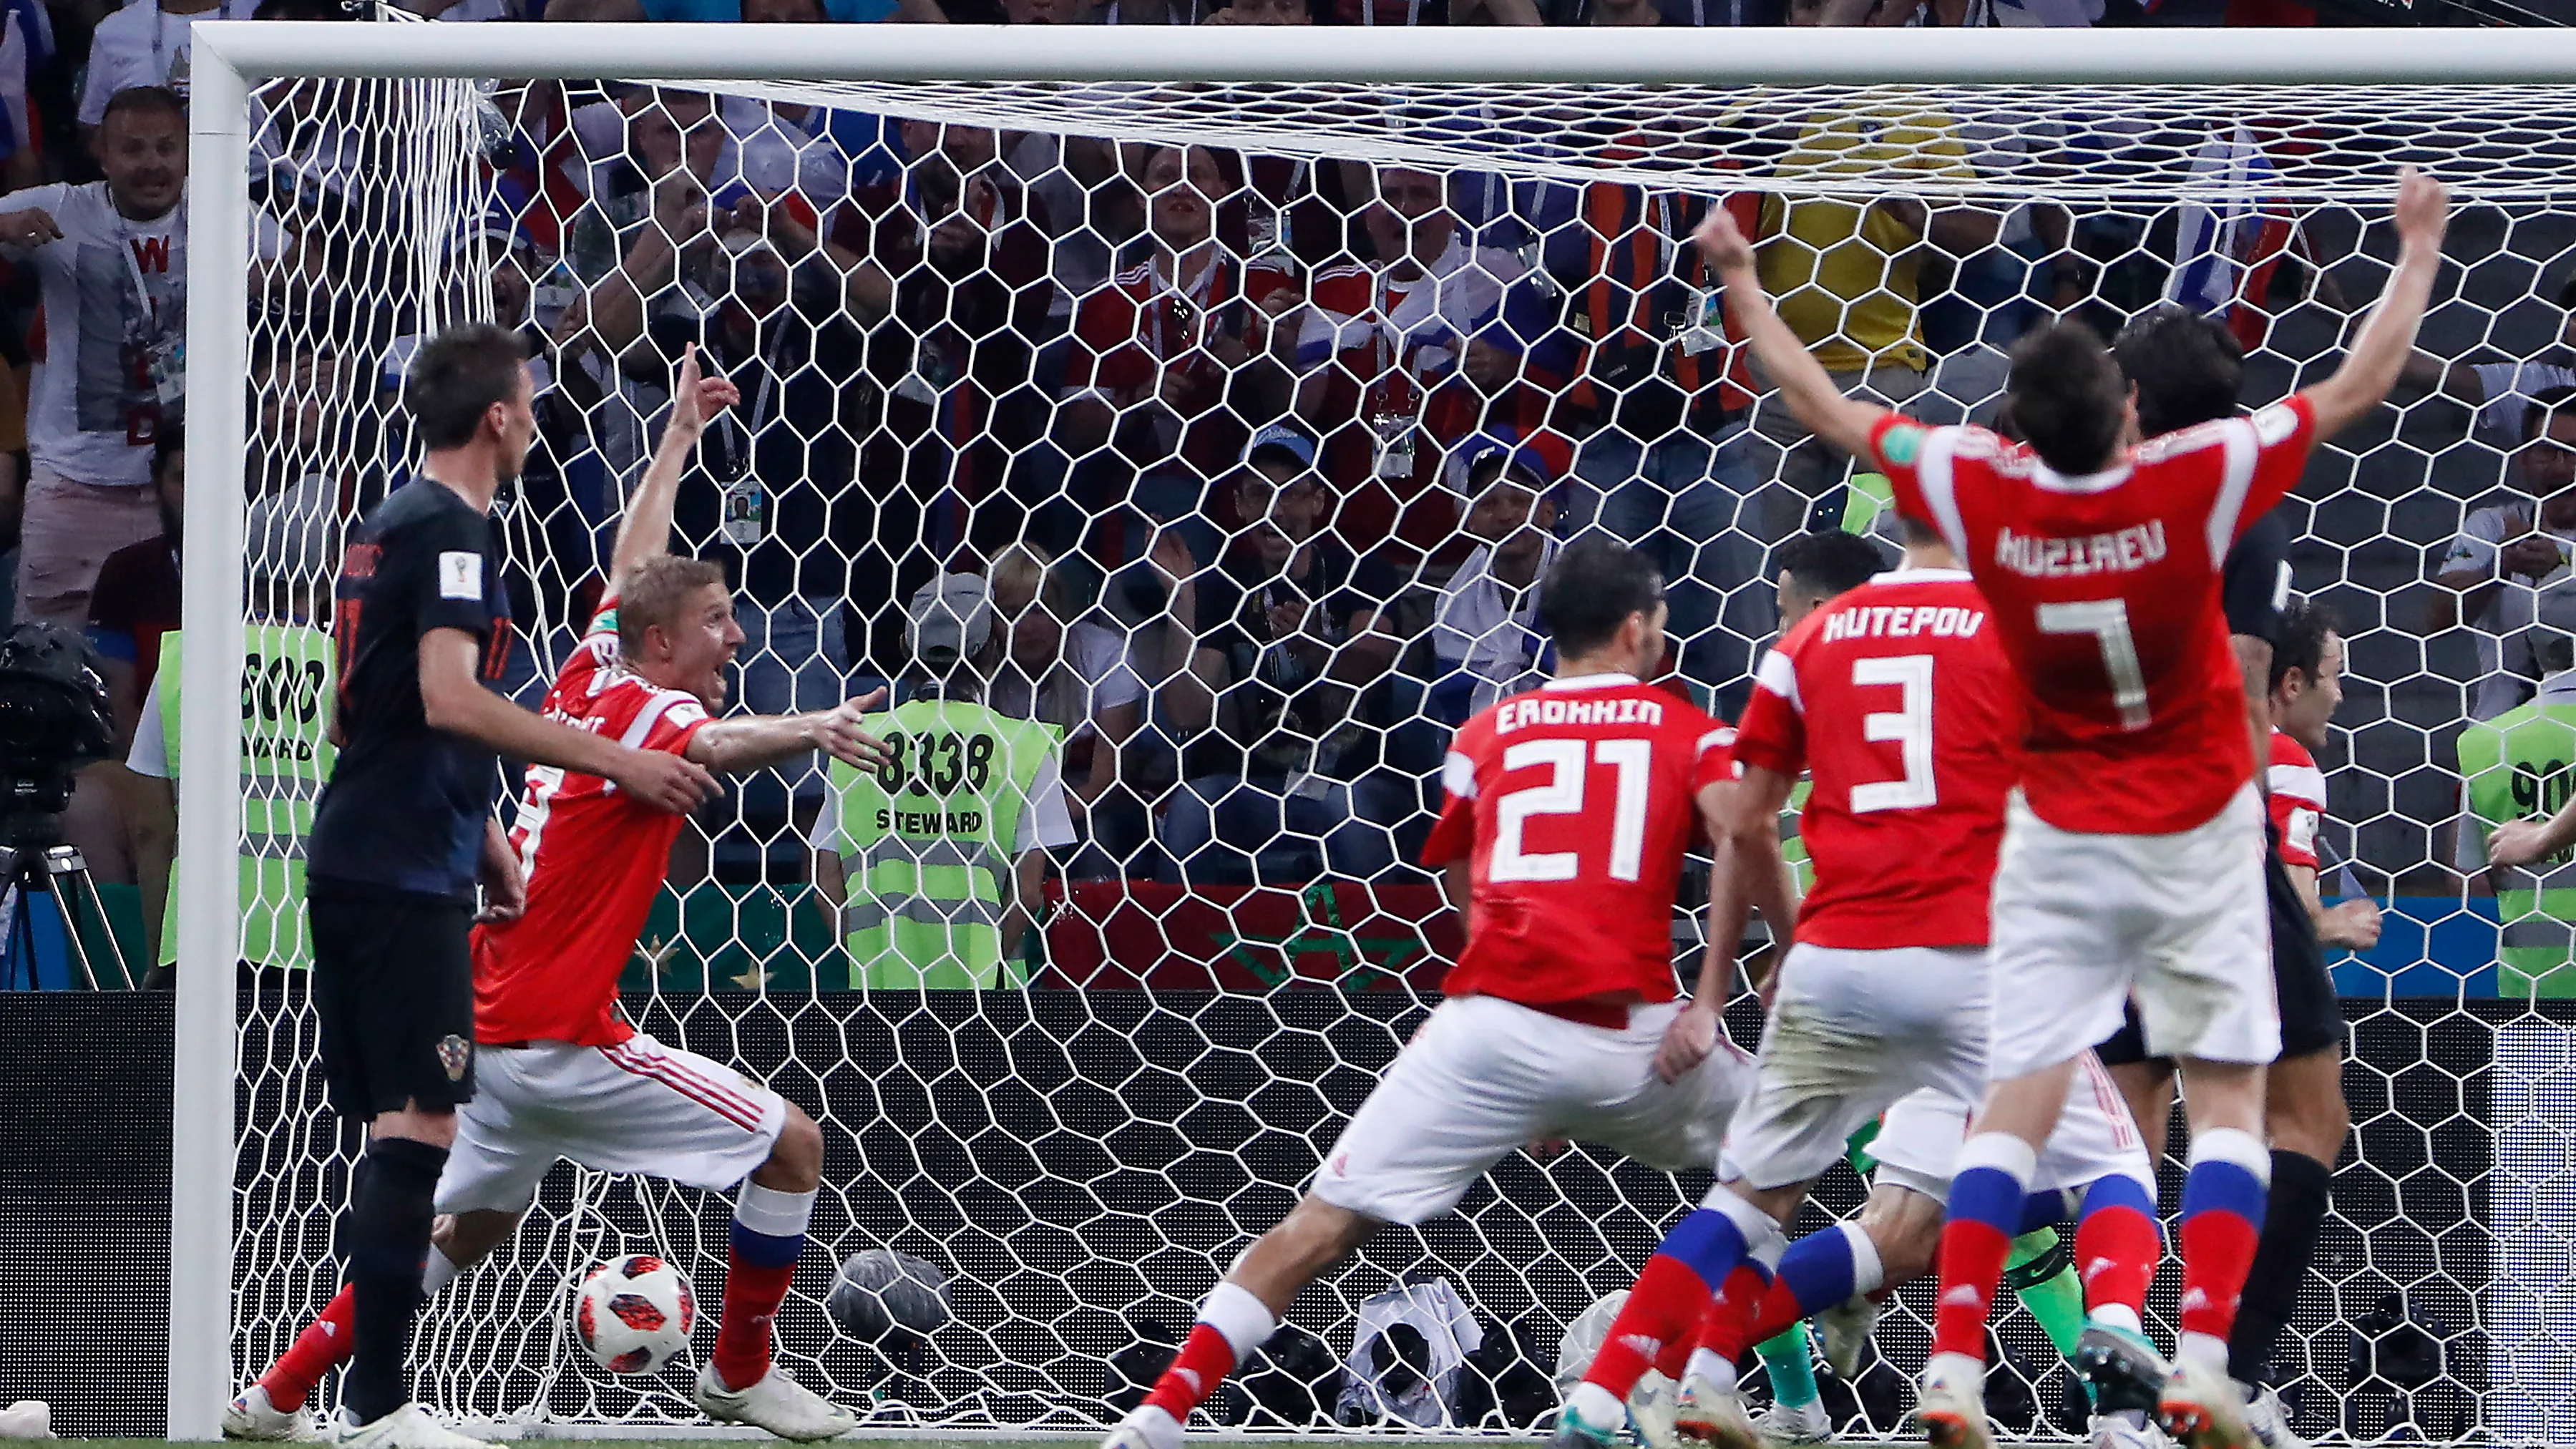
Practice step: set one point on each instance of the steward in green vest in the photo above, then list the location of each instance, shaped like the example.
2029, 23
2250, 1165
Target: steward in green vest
286, 755
2521, 766
933, 860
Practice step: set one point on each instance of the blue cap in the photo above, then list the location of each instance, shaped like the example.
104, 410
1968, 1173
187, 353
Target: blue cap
1458, 471
1282, 438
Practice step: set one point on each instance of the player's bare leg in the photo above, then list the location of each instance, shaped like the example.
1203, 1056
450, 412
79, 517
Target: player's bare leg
1241, 1313
2148, 1088
739, 1384
2304, 1108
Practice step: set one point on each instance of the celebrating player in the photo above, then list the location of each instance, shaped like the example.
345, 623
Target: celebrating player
1900, 701
564, 1074
405, 827
1569, 808
2132, 856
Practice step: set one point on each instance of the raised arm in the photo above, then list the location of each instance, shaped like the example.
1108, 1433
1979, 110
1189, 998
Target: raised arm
645, 531
755, 742
2387, 340
1813, 399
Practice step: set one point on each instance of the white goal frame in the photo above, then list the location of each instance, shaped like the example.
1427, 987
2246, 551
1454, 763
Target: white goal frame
230, 56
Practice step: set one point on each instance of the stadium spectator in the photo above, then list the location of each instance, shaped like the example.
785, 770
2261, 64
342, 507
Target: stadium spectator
1259, 12
1485, 637
2506, 552
1061, 669
145, 45
1847, 274
111, 258
2502, 395
1278, 790
137, 601
26, 52
1176, 360
1377, 337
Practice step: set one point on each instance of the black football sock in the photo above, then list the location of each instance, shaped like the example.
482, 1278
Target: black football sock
2296, 1211
390, 1209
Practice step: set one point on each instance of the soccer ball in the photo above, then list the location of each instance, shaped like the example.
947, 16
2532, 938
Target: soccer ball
633, 1314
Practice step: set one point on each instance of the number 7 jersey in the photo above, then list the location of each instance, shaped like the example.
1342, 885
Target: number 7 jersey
1573, 805
2104, 591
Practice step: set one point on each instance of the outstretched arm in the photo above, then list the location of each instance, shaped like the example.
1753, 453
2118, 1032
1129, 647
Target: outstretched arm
2387, 339
1818, 405
754, 742
645, 531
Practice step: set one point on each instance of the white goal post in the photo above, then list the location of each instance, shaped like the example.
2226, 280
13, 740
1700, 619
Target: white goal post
1035, 78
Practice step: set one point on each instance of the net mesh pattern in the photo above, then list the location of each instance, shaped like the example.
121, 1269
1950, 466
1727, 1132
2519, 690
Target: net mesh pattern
973, 335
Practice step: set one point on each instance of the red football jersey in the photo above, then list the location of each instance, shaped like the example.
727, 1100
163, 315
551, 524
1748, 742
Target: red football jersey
2298, 799
1898, 699
1573, 805
594, 860
2104, 593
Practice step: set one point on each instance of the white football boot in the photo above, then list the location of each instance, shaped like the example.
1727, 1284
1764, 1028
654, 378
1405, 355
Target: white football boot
776, 1403
251, 1416
409, 1427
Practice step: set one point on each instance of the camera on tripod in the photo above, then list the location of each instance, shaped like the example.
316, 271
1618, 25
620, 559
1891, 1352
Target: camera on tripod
54, 718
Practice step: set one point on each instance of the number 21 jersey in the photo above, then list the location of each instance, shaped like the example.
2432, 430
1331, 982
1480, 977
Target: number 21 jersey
2104, 591
1573, 805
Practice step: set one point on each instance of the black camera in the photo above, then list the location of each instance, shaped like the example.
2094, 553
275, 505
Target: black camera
54, 719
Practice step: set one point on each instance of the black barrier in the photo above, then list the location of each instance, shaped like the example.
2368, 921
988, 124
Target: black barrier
1041, 1186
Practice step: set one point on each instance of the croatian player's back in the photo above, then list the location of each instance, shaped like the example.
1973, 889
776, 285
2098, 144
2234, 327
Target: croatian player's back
1574, 804
1897, 699
2105, 596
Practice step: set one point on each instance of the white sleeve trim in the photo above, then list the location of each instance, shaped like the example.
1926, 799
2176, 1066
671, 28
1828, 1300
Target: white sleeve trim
1718, 738
150, 755
664, 701
1941, 487
1458, 776
2243, 449
1780, 677
2303, 783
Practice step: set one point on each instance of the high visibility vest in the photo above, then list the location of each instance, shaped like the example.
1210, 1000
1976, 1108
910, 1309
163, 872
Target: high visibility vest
286, 757
926, 844
2519, 766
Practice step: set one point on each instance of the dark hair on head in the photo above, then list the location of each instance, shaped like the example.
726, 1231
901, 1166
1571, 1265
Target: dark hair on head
458, 377
1829, 562
1915, 533
2066, 393
169, 445
2188, 368
1591, 589
2546, 405
653, 592
2567, 292
144, 101
2300, 643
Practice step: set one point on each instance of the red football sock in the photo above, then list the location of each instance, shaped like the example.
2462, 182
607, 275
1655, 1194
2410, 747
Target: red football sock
323, 1346
752, 1295
1972, 1260
1203, 1362
1729, 1330
2217, 1254
1664, 1308
2118, 1248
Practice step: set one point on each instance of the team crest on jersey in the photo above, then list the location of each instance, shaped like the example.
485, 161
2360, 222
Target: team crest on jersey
455, 1053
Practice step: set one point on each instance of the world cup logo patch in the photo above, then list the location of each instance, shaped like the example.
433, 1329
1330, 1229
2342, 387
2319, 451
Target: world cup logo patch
456, 1054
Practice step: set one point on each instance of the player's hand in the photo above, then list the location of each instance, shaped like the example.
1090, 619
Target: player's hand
2423, 210
695, 399
2532, 556
2518, 842
1722, 244
837, 733
32, 227
666, 782
505, 888
1687, 1042
1172, 559
2352, 924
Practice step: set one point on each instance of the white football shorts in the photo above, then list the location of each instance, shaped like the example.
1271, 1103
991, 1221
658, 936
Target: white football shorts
1485, 1077
2082, 922
638, 1107
1918, 1140
1851, 1032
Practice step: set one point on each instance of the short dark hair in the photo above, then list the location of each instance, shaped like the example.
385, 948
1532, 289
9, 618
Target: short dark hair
2567, 292
2188, 368
2546, 405
1915, 533
169, 445
653, 591
1829, 561
2066, 393
144, 101
458, 377
2300, 642
1591, 589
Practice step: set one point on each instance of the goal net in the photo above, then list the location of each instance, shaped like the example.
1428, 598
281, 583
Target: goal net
1201, 380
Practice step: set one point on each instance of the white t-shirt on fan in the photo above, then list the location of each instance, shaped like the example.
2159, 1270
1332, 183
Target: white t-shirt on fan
144, 45
112, 369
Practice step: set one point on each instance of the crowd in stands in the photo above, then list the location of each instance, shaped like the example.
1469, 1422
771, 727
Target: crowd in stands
1260, 459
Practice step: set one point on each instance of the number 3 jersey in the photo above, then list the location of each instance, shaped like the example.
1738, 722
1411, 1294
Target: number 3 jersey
1898, 699
1573, 805
2104, 592
594, 859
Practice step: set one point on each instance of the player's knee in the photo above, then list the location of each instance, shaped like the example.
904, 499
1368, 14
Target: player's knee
796, 1160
